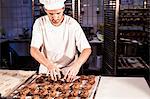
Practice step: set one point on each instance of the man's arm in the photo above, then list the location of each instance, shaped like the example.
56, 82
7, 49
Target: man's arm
35, 52
75, 67
83, 56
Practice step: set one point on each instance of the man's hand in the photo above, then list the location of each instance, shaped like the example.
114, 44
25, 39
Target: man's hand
71, 72
54, 72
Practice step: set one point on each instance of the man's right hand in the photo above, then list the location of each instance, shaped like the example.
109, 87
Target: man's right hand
53, 69
54, 72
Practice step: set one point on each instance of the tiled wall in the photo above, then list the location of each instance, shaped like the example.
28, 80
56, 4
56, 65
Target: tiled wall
17, 14
14, 16
89, 17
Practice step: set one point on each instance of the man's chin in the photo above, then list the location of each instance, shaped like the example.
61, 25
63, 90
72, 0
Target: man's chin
56, 24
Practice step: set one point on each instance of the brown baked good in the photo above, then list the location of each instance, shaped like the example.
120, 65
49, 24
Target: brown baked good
35, 91
76, 86
71, 97
24, 91
84, 93
84, 77
59, 97
36, 96
22, 96
45, 92
87, 86
47, 96
77, 81
91, 81
66, 86
40, 80
74, 93
92, 76
65, 93
53, 93
32, 85
54, 86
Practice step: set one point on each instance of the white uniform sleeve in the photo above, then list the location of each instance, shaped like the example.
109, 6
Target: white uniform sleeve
81, 40
37, 38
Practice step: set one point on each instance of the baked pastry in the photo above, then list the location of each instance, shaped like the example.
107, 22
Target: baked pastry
59, 97
24, 91
74, 93
84, 93
77, 81
66, 86
53, 93
76, 86
35, 91
71, 97
45, 92
47, 96
54, 86
23, 97
92, 76
87, 86
65, 93
84, 77
40, 80
91, 81
60, 88
36, 96
32, 85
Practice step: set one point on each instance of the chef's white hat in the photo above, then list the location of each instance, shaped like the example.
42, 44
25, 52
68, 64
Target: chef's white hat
53, 4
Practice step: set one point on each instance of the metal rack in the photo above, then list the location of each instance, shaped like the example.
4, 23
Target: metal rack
119, 24
110, 36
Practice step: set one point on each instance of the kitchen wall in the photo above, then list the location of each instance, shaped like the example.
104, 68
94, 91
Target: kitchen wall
15, 15
92, 13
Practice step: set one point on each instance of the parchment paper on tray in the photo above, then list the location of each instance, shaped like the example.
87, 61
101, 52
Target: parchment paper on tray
11, 79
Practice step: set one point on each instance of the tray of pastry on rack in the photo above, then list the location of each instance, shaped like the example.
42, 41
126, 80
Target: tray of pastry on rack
42, 87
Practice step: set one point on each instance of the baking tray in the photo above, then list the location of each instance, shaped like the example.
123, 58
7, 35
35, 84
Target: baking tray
132, 63
92, 91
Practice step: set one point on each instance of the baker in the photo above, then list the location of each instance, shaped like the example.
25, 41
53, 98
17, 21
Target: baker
56, 41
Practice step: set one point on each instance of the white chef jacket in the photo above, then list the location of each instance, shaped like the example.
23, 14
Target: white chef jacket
59, 44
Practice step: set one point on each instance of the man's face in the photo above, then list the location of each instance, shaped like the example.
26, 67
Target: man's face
56, 16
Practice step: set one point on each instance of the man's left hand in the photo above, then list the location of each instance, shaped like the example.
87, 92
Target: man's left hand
71, 72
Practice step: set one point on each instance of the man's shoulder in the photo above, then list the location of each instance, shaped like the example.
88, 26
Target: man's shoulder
70, 20
42, 18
